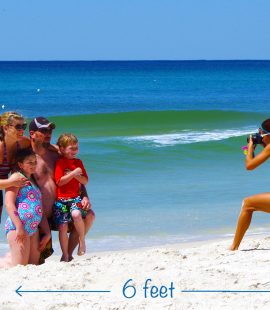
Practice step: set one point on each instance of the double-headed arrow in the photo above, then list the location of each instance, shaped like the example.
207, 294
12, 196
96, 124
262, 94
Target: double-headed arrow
19, 291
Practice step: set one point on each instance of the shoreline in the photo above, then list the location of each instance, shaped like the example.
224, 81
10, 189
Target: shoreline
194, 266
123, 247
205, 239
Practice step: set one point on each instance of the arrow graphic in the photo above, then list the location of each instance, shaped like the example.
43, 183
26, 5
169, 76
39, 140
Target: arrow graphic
222, 291
19, 291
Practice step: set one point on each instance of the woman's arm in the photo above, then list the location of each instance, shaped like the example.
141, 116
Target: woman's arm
15, 179
253, 162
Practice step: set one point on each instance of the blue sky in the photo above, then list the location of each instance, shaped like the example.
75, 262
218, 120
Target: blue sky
134, 29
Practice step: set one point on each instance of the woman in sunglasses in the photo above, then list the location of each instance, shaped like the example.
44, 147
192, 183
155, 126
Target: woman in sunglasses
12, 127
259, 202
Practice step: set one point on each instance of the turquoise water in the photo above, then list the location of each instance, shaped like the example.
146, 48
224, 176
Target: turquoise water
165, 165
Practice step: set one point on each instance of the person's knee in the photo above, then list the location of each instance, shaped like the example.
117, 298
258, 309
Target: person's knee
91, 215
76, 215
247, 205
90, 218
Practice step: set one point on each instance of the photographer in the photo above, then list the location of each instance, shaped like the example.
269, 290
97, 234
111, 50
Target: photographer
259, 202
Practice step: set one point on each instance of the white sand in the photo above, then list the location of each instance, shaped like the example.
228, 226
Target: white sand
201, 266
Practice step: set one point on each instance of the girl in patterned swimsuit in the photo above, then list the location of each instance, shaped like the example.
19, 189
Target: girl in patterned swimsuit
24, 208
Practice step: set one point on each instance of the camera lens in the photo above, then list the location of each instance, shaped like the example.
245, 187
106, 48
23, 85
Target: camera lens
256, 138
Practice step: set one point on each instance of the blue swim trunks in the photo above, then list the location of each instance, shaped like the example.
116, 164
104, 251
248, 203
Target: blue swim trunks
29, 209
63, 208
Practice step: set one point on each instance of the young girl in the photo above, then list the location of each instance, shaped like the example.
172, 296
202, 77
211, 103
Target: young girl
69, 175
25, 213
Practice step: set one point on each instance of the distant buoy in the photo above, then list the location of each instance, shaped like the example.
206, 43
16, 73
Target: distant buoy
3, 106
38, 90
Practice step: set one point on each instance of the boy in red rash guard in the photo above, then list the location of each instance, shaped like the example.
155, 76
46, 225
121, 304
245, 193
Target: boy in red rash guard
69, 175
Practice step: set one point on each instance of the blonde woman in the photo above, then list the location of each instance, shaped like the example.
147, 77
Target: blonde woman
12, 127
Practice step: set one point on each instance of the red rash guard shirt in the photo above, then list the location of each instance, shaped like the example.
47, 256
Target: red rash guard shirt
72, 188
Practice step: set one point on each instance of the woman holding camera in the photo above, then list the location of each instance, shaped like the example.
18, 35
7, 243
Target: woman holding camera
259, 202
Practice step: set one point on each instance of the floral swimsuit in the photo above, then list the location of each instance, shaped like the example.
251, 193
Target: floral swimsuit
29, 208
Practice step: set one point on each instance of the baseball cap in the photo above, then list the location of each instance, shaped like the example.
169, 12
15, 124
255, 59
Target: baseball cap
40, 122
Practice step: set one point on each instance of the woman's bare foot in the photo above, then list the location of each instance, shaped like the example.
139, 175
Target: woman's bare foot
233, 248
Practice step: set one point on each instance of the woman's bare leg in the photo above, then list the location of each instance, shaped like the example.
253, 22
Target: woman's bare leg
19, 250
34, 249
260, 202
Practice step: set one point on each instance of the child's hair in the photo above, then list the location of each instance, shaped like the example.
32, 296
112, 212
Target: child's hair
22, 154
66, 139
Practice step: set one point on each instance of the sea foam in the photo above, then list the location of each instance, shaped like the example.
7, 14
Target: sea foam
188, 137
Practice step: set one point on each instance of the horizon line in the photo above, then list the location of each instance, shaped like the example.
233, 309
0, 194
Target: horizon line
132, 60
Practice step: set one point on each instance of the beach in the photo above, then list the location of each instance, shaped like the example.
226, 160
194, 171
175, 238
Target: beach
178, 268
161, 142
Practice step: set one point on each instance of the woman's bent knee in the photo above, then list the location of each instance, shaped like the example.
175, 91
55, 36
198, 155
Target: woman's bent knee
247, 205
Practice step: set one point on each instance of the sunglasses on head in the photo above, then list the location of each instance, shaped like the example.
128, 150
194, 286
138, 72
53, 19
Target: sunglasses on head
20, 126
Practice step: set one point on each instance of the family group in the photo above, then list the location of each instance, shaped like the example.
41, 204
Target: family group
44, 190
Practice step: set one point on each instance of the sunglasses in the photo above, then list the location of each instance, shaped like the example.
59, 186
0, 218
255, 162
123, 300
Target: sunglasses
45, 130
263, 134
19, 126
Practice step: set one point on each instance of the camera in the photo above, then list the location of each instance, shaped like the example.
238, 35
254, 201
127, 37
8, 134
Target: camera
256, 138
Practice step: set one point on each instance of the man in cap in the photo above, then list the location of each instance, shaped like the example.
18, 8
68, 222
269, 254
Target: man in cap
40, 130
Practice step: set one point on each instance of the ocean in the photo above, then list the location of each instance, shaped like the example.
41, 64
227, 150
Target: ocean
161, 141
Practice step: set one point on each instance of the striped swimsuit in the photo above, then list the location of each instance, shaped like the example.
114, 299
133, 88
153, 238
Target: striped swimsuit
5, 169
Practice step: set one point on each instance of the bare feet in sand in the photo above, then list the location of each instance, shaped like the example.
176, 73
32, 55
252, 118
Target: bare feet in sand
82, 248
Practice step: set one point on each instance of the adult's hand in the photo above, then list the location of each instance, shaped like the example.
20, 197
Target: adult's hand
251, 145
17, 180
86, 204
